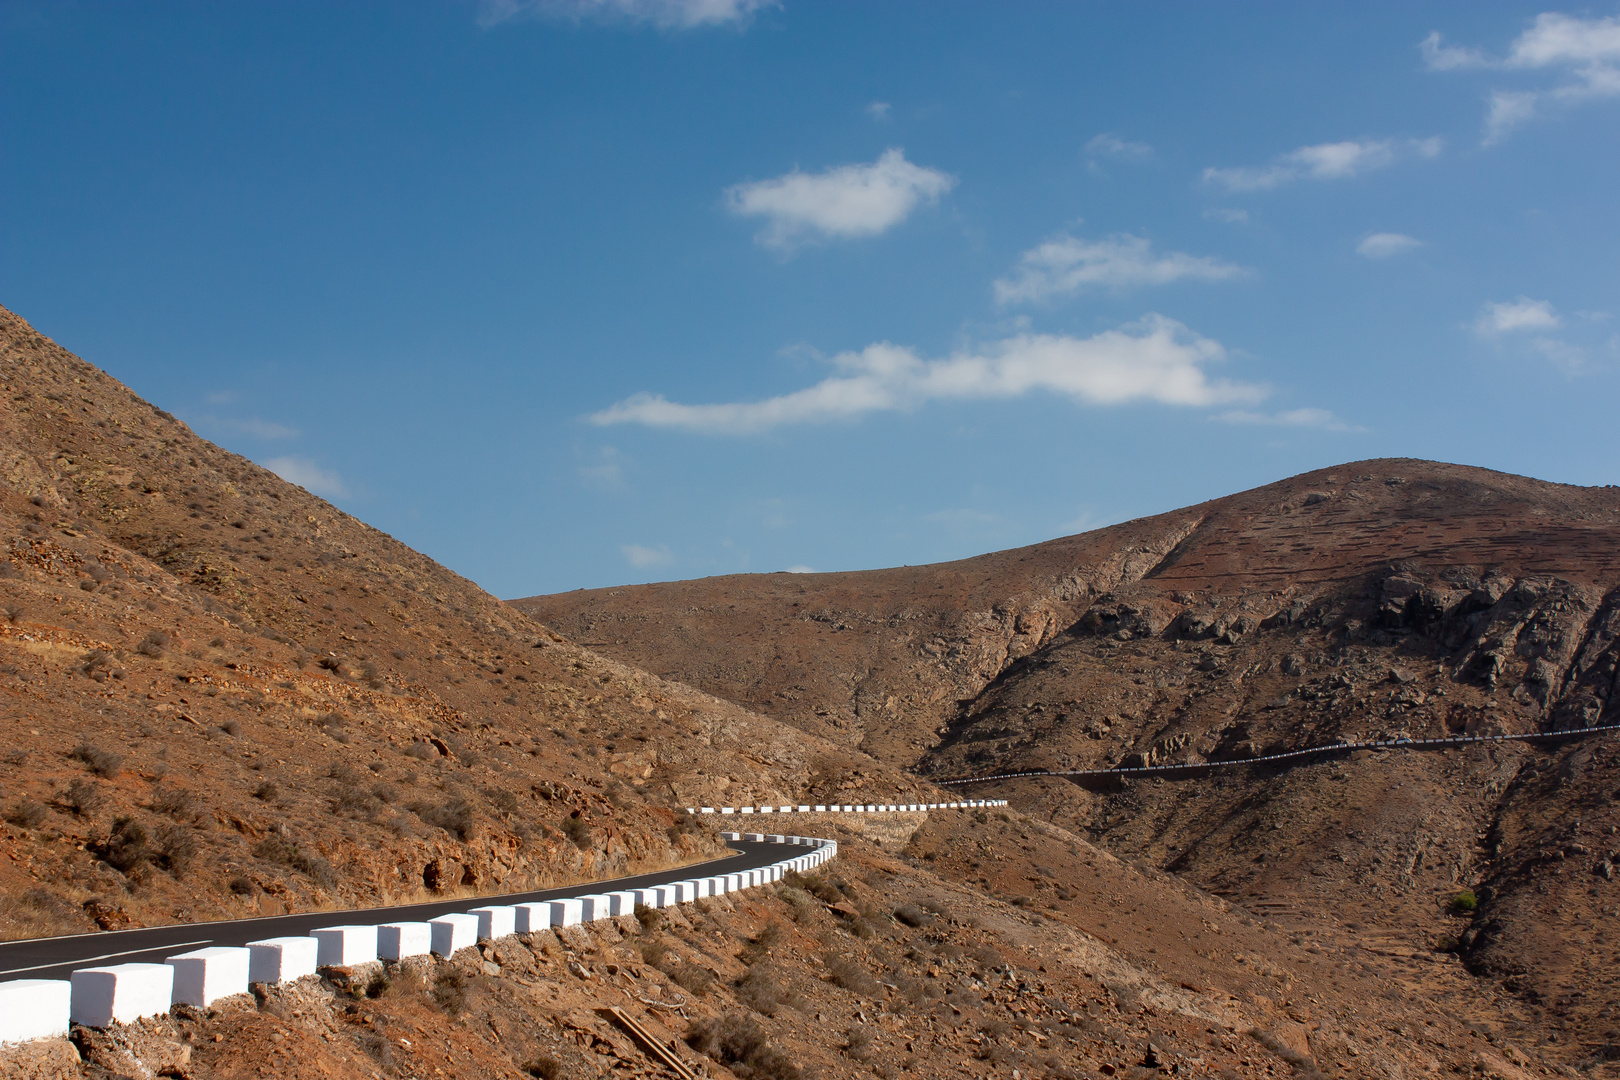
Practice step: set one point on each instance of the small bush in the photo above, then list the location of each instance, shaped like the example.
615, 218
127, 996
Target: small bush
454, 817
576, 830
654, 951
83, 797
125, 848
505, 803
913, 916
154, 644
858, 1043
764, 991
692, 978
26, 813
546, 1068
176, 803
101, 762
421, 751
650, 918
280, 849
266, 790
173, 849
737, 1040
1465, 902
231, 727
850, 975
450, 992
242, 885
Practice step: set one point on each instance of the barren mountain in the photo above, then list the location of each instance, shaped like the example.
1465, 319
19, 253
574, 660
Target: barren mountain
1380, 597
224, 697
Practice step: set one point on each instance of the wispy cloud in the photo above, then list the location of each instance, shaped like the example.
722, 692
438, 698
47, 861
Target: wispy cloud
1382, 245
665, 14
1227, 214
606, 472
1324, 161
1585, 54
250, 426
1156, 360
879, 110
308, 475
1508, 316
1110, 145
841, 203
639, 556
800, 568
1067, 264
1321, 419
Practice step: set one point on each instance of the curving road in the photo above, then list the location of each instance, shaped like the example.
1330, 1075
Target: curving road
55, 958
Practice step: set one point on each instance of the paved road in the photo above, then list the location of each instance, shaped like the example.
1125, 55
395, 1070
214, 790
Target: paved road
54, 958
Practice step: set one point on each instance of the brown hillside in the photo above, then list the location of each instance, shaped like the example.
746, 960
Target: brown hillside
223, 697
1378, 597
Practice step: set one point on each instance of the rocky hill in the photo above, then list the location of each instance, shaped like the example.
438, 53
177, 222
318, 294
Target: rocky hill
1379, 597
223, 697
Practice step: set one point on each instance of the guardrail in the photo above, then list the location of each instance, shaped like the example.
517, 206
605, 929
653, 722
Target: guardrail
99, 996
847, 808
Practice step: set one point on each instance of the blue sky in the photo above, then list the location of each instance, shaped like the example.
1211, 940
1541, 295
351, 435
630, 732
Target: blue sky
577, 293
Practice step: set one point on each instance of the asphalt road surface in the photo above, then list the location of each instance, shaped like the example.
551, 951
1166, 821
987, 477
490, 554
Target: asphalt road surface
54, 958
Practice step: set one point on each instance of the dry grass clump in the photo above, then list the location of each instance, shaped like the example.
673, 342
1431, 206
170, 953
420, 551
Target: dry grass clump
743, 1047
26, 813
280, 849
101, 762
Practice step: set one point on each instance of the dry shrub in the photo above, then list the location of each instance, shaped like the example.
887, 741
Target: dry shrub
101, 762
83, 797
454, 817
692, 978
650, 918
852, 976
858, 1043
576, 830
913, 916
764, 990
1302, 1063
154, 644
739, 1044
266, 790
176, 803
173, 849
450, 992
124, 848
654, 951
545, 1067
26, 813
280, 849
770, 935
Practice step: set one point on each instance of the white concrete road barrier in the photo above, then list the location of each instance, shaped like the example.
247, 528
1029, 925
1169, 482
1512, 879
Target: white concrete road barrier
345, 946
495, 922
34, 1009
282, 959
203, 976
452, 933
399, 940
120, 994
99, 996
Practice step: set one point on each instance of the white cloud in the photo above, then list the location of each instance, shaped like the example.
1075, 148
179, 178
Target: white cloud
606, 473
1382, 245
1568, 358
1584, 52
1508, 316
1320, 419
1154, 360
251, 426
308, 475
1227, 214
847, 201
1065, 264
878, 110
637, 555
665, 14
800, 568
1324, 161
1110, 145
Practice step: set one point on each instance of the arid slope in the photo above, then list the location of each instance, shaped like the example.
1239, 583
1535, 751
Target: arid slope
1374, 598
